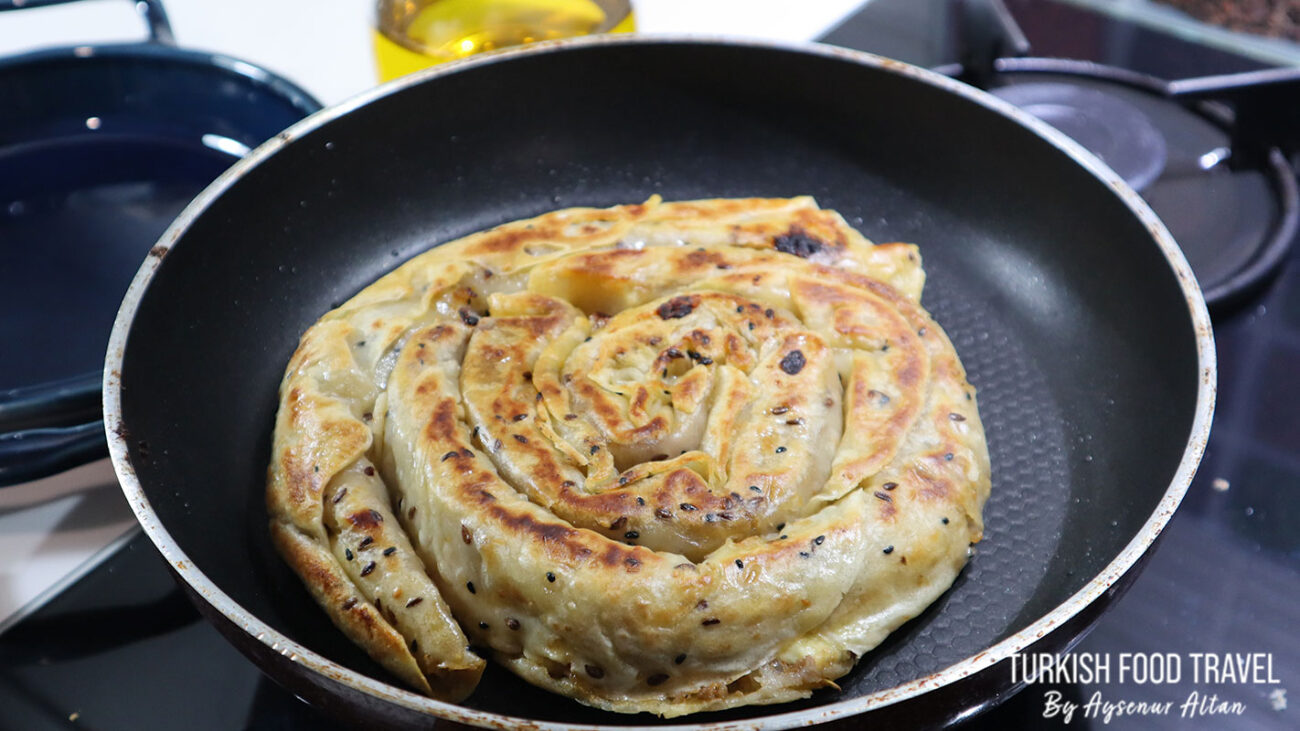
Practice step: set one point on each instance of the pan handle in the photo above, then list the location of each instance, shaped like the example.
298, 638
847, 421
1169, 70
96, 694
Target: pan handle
151, 11
34, 453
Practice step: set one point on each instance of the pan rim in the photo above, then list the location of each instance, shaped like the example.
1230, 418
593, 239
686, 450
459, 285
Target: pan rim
256, 628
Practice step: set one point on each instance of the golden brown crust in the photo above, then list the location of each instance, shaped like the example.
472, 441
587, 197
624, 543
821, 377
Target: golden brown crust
666, 457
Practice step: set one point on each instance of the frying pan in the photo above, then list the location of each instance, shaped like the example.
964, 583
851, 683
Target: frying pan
1073, 310
100, 148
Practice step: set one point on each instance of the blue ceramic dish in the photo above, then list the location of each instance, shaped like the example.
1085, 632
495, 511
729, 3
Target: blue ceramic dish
100, 148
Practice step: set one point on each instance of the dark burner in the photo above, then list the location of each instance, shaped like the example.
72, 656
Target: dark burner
1230, 219
1109, 127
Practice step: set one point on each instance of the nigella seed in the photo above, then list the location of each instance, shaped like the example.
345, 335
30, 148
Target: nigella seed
948, 457
956, 416
349, 603
769, 313
595, 671
521, 439
780, 450
470, 585
687, 507
366, 542
702, 604
339, 495
944, 521
755, 488
468, 317
740, 564
819, 540
679, 659
347, 553
368, 568
640, 500
751, 326
378, 518
740, 308
370, 471
550, 576
367, 416
884, 496
890, 485
631, 535
465, 535
711, 621
663, 513
804, 554
568, 483
656, 679
520, 417
413, 601
622, 480
449, 455
780, 527
595, 448
921, 332
390, 550
483, 625
780, 410
889, 550
512, 623
710, 518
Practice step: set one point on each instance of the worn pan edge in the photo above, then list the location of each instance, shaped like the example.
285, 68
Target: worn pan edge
314, 662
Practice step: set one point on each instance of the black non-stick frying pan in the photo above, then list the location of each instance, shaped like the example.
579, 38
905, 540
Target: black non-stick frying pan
1074, 312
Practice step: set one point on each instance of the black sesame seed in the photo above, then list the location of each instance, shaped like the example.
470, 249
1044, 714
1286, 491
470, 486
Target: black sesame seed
804, 554
769, 313
631, 535
956, 416
368, 568
755, 488
687, 506
550, 576
780, 527
376, 516
740, 564
944, 521
468, 317
347, 552
622, 480
948, 457
740, 308
520, 417
366, 542
819, 540
751, 325
390, 550
470, 585
884, 496
512, 623
483, 625
780, 410
784, 536
780, 450
339, 495
640, 500
706, 361
675, 308
890, 485
663, 513
889, 549
521, 439
679, 659
595, 448
413, 601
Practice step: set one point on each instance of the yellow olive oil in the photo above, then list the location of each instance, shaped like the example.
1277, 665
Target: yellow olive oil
413, 35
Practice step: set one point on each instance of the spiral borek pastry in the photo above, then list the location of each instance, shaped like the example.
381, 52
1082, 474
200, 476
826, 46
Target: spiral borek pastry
667, 457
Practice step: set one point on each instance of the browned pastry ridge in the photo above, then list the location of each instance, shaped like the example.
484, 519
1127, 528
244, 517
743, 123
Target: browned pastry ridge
668, 457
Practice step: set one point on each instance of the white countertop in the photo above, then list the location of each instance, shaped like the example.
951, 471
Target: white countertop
54, 529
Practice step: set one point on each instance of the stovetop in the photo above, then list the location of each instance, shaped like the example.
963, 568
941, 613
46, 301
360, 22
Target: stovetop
123, 649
